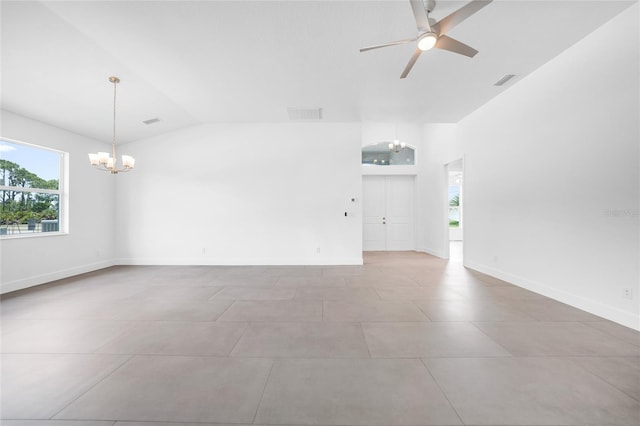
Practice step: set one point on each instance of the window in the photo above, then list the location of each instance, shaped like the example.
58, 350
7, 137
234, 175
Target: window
31, 187
381, 155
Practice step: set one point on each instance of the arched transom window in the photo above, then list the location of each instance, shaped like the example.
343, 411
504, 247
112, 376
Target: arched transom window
388, 154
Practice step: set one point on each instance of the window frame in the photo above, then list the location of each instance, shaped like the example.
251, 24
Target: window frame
389, 164
62, 192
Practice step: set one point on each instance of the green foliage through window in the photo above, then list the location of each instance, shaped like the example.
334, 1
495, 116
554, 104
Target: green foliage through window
454, 206
27, 198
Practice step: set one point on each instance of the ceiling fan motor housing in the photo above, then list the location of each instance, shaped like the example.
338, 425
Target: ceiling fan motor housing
429, 5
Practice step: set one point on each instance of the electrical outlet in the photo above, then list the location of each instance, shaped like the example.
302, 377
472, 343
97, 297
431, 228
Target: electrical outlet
627, 293
318, 250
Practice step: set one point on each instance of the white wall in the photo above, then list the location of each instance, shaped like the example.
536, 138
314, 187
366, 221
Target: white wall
551, 176
89, 245
439, 147
243, 194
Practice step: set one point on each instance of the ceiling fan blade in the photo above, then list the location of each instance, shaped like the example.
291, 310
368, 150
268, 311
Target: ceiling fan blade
450, 21
452, 45
412, 61
391, 43
422, 20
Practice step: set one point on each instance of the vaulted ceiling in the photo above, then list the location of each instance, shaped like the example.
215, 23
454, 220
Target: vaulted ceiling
192, 62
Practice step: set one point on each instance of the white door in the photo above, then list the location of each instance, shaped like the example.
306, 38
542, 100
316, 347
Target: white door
388, 213
374, 206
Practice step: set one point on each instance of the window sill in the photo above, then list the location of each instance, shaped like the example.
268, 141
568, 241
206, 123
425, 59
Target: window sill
32, 235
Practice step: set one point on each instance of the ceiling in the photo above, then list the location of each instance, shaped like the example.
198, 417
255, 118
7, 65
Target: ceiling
193, 62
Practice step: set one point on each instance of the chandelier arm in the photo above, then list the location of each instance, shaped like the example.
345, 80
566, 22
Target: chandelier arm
103, 169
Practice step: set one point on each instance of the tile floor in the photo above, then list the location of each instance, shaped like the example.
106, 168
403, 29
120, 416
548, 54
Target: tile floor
406, 339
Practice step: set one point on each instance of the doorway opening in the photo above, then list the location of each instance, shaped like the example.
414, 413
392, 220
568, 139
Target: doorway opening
455, 207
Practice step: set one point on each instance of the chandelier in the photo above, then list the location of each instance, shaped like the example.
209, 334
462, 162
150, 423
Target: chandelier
397, 146
102, 160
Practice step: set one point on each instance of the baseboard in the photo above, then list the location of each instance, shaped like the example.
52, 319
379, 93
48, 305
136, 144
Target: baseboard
52, 276
433, 252
592, 306
207, 261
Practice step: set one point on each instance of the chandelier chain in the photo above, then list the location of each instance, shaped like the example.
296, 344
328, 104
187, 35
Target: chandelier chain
115, 85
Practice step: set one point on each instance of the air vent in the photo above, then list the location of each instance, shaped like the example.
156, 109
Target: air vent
151, 121
305, 114
504, 80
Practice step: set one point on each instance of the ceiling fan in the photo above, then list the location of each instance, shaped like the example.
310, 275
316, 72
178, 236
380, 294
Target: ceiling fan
433, 34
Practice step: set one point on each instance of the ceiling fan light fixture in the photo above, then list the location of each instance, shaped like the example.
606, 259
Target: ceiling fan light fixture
427, 41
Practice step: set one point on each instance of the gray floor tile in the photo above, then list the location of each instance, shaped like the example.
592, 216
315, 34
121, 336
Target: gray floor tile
184, 424
555, 339
57, 423
10, 325
62, 336
335, 293
438, 292
244, 281
350, 271
371, 310
512, 292
621, 332
470, 310
551, 310
227, 271
178, 273
37, 386
67, 308
293, 271
353, 392
176, 389
105, 291
254, 293
166, 310
544, 391
381, 280
435, 278
176, 292
488, 279
311, 282
272, 311
414, 340
203, 360
176, 338
302, 340
622, 373
121, 423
